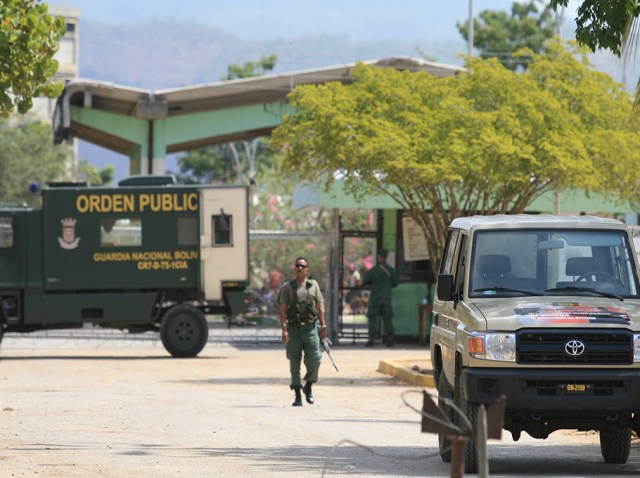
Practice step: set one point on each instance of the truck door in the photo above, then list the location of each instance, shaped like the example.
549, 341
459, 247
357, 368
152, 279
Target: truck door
224, 238
10, 263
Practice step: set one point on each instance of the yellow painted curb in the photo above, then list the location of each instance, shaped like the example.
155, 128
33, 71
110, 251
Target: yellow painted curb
405, 370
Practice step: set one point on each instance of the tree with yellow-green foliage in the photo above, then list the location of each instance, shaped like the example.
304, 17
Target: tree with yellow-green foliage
29, 38
482, 142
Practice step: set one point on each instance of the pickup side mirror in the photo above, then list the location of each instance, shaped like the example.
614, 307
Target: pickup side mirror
445, 287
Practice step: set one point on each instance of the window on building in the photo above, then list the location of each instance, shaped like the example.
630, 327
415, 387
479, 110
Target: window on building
123, 232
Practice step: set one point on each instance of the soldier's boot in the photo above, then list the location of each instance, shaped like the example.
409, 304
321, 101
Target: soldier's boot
390, 341
298, 401
307, 393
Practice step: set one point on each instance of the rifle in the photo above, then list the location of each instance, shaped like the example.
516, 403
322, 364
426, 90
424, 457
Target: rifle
325, 345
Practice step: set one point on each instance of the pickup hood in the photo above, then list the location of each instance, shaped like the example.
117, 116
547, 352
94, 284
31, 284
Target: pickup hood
513, 313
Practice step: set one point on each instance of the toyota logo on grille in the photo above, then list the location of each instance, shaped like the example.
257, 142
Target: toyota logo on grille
574, 348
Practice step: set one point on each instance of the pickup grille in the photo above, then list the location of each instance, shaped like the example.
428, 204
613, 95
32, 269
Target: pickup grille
602, 347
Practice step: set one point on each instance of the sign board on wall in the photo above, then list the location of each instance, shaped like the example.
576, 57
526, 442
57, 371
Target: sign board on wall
414, 242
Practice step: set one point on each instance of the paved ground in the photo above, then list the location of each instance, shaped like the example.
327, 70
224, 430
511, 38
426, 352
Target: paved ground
100, 406
95, 404
415, 369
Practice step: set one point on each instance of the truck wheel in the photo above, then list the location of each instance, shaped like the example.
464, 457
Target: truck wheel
184, 331
615, 444
444, 391
471, 412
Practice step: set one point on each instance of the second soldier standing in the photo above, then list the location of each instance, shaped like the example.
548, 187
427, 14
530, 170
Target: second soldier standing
382, 278
301, 309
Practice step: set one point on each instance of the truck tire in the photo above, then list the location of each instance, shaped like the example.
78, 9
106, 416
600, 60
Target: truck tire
471, 411
444, 391
615, 444
184, 331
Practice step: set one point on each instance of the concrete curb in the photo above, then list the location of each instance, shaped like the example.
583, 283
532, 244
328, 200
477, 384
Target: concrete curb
418, 372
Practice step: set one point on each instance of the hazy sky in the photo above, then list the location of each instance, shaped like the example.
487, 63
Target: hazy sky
370, 20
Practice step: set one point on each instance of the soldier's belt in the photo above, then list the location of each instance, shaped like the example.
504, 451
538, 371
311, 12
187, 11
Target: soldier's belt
302, 323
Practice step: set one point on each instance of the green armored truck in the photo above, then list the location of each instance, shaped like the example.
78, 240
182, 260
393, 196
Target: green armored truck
148, 255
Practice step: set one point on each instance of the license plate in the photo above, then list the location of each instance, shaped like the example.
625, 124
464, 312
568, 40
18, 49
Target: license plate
576, 387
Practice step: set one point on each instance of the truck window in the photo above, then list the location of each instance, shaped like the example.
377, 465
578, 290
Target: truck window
222, 226
449, 251
124, 232
187, 231
6, 232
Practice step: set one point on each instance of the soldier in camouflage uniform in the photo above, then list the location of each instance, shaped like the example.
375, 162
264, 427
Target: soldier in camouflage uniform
301, 311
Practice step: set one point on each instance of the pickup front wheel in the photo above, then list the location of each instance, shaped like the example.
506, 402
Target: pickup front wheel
615, 444
470, 410
445, 391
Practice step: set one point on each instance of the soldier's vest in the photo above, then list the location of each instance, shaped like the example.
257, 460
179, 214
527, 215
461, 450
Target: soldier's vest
301, 312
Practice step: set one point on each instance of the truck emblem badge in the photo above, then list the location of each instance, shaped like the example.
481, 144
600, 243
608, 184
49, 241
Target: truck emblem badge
68, 239
574, 348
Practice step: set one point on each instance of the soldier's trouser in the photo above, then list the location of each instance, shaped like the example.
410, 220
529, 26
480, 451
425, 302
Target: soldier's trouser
303, 338
386, 312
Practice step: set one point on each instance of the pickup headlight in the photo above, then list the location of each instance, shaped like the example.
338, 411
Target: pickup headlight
500, 347
636, 347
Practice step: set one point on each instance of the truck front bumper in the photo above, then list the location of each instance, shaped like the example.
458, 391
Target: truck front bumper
566, 392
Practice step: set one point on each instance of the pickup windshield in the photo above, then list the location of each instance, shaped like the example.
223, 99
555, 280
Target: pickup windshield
552, 262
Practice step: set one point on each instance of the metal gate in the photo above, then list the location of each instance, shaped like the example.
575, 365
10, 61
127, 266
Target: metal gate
357, 251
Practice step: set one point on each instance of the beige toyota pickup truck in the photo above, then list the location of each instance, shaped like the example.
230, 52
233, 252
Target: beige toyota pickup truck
546, 311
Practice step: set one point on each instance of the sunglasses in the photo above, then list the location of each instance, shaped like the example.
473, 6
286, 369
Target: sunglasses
301, 266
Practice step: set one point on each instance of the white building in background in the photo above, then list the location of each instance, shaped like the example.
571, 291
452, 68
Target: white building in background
68, 57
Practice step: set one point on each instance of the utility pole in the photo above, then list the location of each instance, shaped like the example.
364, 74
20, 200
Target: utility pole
470, 31
556, 191
559, 21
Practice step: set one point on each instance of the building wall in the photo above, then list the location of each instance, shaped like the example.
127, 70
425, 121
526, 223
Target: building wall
68, 57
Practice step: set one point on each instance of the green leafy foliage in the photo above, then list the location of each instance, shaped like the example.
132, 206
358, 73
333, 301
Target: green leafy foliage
28, 155
96, 176
206, 165
496, 34
29, 38
250, 68
610, 25
603, 23
485, 142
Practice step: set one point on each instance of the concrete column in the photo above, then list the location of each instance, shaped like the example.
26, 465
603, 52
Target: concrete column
158, 143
